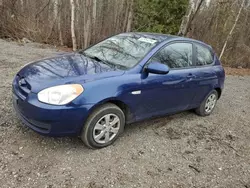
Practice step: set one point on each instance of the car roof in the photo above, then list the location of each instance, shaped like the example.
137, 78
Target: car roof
156, 36
160, 37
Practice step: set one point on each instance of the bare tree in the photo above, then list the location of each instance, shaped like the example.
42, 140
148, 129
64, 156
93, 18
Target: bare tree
232, 29
194, 6
59, 23
22, 5
87, 20
130, 16
94, 13
50, 21
73, 35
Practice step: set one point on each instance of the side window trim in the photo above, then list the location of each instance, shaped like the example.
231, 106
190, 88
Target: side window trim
194, 55
195, 44
175, 42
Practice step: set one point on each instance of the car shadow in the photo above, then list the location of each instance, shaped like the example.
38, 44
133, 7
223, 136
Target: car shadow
57, 143
161, 121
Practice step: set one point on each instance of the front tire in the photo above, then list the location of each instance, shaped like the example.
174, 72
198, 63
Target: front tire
103, 126
207, 106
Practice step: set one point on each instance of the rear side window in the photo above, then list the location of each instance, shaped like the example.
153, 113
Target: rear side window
204, 55
177, 55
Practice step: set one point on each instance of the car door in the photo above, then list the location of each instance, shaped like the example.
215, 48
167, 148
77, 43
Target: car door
172, 92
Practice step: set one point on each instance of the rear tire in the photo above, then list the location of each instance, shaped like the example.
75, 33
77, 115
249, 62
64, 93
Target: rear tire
208, 104
103, 126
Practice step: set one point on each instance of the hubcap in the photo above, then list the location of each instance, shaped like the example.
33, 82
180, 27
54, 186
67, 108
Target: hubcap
106, 128
210, 103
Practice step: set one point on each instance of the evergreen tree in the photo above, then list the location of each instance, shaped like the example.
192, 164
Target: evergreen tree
162, 16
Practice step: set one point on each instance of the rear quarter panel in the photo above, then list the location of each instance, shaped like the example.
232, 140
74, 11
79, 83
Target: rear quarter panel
207, 79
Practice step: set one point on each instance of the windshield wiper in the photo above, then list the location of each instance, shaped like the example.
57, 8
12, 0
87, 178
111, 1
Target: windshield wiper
91, 57
104, 62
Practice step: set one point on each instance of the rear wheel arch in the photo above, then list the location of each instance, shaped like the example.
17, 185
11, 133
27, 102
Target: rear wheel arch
208, 104
218, 91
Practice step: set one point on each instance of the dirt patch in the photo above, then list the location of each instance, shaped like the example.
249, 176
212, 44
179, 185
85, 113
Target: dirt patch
237, 71
182, 150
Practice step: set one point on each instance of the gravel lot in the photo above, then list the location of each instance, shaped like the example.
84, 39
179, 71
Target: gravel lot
181, 150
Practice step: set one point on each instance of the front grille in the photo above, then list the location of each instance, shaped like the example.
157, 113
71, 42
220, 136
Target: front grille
21, 87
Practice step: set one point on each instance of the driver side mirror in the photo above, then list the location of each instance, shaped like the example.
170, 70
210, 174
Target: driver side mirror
157, 68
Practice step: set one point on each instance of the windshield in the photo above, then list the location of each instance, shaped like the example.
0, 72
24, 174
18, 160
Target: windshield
121, 50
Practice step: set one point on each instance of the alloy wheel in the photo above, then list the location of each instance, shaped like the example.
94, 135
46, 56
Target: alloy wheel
210, 103
106, 128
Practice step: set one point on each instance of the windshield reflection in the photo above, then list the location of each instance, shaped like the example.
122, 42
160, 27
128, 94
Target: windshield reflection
121, 50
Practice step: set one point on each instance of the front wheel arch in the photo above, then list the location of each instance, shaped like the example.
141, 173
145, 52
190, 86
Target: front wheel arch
129, 115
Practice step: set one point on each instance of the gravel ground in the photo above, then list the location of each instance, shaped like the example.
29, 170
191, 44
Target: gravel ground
181, 150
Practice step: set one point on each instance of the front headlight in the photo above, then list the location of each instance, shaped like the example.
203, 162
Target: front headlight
60, 95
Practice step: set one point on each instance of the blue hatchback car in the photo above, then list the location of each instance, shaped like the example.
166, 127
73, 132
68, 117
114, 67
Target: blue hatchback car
126, 78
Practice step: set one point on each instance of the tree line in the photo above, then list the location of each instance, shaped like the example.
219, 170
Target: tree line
224, 24
79, 23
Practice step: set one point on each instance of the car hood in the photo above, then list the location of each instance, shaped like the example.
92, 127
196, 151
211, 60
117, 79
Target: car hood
64, 69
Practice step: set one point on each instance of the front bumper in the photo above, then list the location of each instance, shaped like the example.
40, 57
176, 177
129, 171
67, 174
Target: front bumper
50, 120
